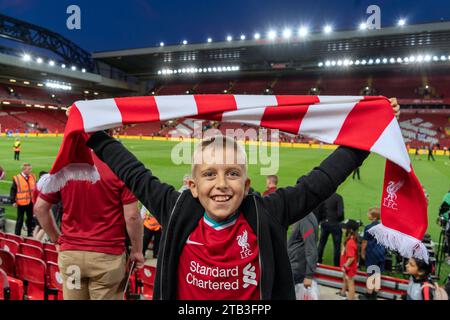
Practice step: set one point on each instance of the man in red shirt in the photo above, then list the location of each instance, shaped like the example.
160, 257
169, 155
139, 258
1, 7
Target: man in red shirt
92, 238
271, 185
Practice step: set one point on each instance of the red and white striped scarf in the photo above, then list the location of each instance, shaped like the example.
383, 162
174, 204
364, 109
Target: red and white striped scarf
366, 123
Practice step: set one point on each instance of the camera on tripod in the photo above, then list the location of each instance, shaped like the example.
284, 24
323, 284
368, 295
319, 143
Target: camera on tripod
442, 221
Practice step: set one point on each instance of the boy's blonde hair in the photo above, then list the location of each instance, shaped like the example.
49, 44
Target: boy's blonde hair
226, 150
374, 213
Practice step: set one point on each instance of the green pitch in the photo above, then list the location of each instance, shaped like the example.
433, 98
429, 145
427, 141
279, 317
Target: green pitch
293, 162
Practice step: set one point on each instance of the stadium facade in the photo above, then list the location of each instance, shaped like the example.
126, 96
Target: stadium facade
409, 62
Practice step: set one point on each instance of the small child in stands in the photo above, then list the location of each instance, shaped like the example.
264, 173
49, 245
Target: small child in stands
349, 258
420, 286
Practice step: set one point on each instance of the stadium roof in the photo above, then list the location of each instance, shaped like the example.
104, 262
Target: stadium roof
293, 55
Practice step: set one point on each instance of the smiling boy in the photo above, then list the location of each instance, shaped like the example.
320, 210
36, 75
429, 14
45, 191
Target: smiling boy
219, 241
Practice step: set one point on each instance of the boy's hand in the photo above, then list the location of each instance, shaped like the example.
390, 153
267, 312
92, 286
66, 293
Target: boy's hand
307, 283
395, 106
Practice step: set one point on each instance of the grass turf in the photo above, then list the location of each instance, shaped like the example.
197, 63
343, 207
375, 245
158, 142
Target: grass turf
293, 162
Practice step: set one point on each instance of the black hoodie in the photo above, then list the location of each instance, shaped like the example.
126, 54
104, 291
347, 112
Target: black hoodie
269, 217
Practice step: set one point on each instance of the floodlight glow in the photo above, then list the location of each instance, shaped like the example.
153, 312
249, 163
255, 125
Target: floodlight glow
339, 62
385, 60
320, 64
229, 38
401, 22
185, 42
327, 63
333, 63
363, 26
427, 58
392, 60
63, 66
443, 58
257, 36
370, 61
83, 70
26, 57
399, 60
51, 63
242, 37
435, 58
287, 33
73, 68
419, 58
327, 29
58, 85
39, 60
271, 34
209, 40
357, 62
303, 31
161, 44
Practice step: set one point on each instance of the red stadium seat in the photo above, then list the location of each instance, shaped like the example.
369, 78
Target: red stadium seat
147, 279
31, 251
4, 286
10, 245
7, 262
33, 242
49, 246
15, 288
50, 256
2, 234
14, 237
54, 279
34, 274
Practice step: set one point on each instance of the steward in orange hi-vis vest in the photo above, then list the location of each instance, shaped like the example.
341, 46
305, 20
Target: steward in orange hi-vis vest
151, 223
25, 189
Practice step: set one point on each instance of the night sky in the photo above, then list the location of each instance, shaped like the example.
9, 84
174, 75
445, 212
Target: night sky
110, 25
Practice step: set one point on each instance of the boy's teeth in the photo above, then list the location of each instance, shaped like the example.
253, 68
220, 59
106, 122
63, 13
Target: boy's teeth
221, 198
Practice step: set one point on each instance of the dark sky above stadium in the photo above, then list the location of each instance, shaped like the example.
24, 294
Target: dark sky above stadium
109, 25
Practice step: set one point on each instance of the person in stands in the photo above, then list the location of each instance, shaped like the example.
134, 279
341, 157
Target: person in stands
21, 195
349, 258
329, 214
95, 218
373, 253
420, 286
220, 242
16, 148
152, 230
271, 185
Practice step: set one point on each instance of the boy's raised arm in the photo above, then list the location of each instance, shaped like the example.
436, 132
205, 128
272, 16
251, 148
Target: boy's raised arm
157, 196
293, 203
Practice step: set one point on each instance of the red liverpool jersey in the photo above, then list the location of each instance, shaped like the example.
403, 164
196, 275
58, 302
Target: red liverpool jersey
220, 261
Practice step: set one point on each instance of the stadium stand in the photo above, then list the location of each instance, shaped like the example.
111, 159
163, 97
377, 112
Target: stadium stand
250, 86
32, 273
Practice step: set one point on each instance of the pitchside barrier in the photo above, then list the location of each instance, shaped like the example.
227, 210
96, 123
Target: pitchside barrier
391, 288
313, 145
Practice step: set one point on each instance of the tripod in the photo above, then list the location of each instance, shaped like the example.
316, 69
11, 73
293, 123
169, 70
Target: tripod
440, 254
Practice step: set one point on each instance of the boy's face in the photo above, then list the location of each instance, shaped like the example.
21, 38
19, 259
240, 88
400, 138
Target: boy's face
411, 268
220, 188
